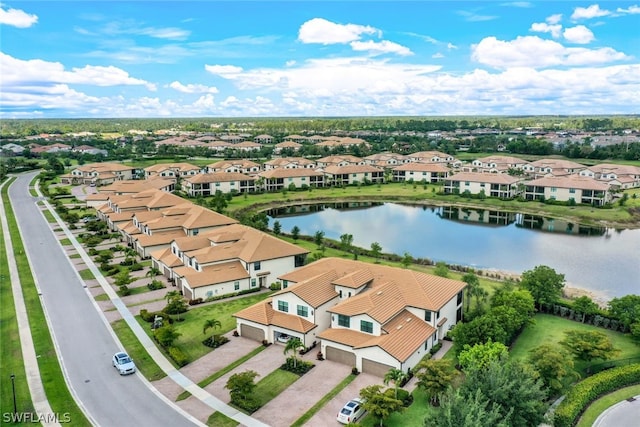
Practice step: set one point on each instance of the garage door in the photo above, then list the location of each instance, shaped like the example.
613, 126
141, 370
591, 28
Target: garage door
375, 368
251, 332
340, 356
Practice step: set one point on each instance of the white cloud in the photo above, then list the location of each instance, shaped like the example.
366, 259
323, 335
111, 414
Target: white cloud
635, 9
205, 102
290, 63
43, 73
226, 71
474, 17
523, 4
451, 46
165, 33
319, 30
590, 12
534, 52
578, 34
381, 47
192, 88
543, 27
17, 18
437, 55
554, 19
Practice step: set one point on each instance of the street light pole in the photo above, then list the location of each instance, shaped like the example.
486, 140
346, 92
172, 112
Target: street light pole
13, 388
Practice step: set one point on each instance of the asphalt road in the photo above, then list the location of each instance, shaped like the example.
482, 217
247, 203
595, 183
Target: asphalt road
85, 341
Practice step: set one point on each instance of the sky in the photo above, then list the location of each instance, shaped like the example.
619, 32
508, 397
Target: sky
109, 59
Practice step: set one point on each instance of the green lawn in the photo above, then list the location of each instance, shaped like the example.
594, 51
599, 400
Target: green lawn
86, 274
411, 416
136, 291
550, 329
218, 419
273, 384
65, 242
190, 329
598, 407
49, 216
101, 297
144, 362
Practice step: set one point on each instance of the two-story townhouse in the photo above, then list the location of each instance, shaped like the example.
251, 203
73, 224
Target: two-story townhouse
172, 170
618, 176
370, 316
420, 172
263, 139
248, 257
207, 184
580, 189
246, 167
497, 164
247, 146
353, 174
289, 163
134, 186
339, 160
98, 174
432, 157
493, 185
286, 147
279, 179
386, 160
554, 167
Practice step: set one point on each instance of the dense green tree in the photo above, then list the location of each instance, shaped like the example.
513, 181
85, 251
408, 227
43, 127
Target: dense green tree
626, 309
463, 410
513, 388
277, 228
441, 269
585, 306
478, 331
474, 290
589, 345
553, 364
480, 356
295, 232
435, 377
176, 304
241, 385
166, 335
318, 238
407, 259
346, 242
376, 250
544, 284
378, 403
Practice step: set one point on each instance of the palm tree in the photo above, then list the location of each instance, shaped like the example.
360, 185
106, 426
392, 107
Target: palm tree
396, 376
293, 345
211, 324
152, 273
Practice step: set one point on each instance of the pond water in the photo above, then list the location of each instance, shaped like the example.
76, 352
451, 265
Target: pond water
603, 260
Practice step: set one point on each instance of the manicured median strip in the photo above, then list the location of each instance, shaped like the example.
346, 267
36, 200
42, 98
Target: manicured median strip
145, 364
320, 403
86, 274
55, 387
599, 406
205, 382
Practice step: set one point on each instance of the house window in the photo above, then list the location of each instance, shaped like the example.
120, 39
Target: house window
482, 184
196, 231
344, 321
427, 316
466, 183
217, 184
256, 266
285, 284
197, 266
459, 300
438, 315
303, 310
209, 294
572, 190
553, 189
236, 285
283, 306
366, 326
253, 283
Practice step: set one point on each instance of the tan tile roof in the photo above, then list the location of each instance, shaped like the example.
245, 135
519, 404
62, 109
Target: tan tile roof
429, 154
283, 161
190, 243
340, 158
557, 164
145, 240
218, 177
223, 164
133, 186
166, 257
264, 314
97, 197
214, 274
355, 279
570, 181
381, 303
614, 168
345, 336
104, 167
315, 291
490, 178
120, 216
288, 144
181, 167
501, 160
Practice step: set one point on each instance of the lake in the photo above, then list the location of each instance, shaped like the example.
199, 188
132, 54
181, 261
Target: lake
603, 260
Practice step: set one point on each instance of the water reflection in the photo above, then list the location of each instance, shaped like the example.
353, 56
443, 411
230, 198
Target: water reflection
596, 258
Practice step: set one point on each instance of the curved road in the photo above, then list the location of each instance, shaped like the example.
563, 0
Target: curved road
85, 342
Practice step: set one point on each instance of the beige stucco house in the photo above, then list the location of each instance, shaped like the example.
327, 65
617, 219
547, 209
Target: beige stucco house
494, 185
581, 189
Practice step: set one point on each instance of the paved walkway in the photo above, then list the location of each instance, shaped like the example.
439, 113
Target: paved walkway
34, 381
196, 392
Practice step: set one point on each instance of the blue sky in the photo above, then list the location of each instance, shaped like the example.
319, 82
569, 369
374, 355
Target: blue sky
304, 58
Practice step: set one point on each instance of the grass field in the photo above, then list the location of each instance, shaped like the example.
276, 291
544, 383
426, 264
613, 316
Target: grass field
411, 416
596, 408
86, 274
550, 329
273, 384
190, 329
218, 419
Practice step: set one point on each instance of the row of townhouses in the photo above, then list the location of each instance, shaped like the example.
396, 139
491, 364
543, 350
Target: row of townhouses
368, 316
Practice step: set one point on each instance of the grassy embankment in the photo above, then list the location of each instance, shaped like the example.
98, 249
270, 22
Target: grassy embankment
55, 387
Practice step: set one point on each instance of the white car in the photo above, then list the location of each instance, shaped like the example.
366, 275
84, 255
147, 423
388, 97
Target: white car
123, 363
283, 338
351, 412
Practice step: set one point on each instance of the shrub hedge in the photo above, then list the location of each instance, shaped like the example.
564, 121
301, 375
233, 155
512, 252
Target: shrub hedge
585, 392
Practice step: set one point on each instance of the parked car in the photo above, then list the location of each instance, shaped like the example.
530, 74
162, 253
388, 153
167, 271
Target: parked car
351, 412
89, 219
123, 363
283, 338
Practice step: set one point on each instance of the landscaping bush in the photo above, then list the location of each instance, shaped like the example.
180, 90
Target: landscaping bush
155, 285
248, 404
136, 267
196, 301
93, 241
585, 392
178, 356
297, 366
149, 316
435, 348
403, 395
92, 251
215, 341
